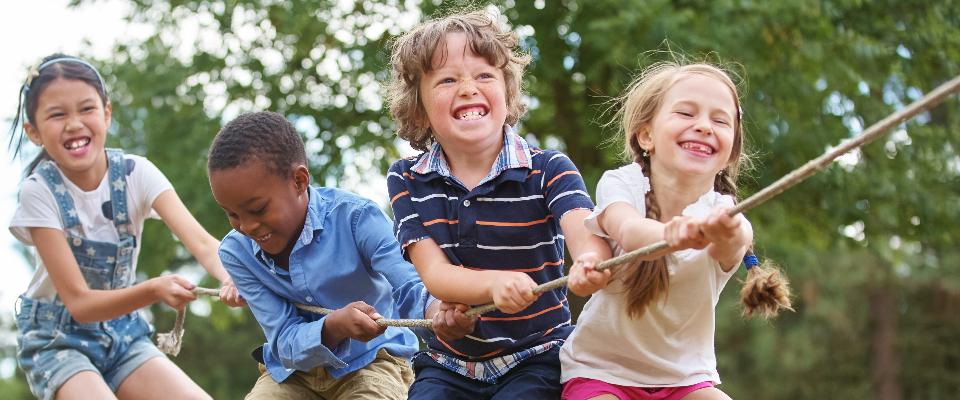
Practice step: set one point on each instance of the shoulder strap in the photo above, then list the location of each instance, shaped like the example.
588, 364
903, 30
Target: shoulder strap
68, 211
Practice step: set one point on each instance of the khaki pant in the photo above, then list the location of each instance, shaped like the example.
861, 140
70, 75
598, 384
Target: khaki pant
387, 377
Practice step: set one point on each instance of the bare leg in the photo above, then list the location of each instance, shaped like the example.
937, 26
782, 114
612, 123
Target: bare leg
84, 385
159, 378
709, 393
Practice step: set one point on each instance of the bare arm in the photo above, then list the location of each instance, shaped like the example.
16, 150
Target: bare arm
729, 237
90, 305
510, 291
579, 239
624, 224
198, 241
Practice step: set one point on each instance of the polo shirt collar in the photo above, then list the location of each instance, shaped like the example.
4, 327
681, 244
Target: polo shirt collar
515, 153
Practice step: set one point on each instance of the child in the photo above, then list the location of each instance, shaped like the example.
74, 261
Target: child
481, 214
295, 243
649, 333
83, 207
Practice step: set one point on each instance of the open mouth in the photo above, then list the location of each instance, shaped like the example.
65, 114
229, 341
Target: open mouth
77, 144
470, 113
698, 148
262, 239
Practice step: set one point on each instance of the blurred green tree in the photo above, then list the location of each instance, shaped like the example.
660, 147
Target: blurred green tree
870, 243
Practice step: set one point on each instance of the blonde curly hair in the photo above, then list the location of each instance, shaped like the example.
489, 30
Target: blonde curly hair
412, 56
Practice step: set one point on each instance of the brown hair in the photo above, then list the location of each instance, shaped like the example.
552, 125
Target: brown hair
412, 56
766, 289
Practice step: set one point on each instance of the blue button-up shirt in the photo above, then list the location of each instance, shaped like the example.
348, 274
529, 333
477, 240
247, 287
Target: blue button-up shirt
346, 252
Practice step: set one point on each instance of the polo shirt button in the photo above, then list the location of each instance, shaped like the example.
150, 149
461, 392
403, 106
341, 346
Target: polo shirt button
466, 203
309, 298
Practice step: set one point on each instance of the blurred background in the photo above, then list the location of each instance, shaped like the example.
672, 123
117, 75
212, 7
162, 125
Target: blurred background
870, 244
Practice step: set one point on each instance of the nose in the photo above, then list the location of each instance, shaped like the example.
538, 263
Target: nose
73, 123
467, 88
247, 226
703, 124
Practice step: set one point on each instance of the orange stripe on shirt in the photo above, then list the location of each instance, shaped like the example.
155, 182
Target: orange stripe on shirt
532, 173
522, 317
534, 269
408, 176
440, 221
449, 347
561, 174
493, 223
399, 195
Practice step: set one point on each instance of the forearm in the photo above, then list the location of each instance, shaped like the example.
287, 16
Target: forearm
579, 239
454, 284
729, 252
89, 305
641, 232
206, 254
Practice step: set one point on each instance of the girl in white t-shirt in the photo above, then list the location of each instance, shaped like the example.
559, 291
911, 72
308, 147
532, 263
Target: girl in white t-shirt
82, 206
647, 332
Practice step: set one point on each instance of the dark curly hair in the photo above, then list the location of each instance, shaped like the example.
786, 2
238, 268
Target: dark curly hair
258, 136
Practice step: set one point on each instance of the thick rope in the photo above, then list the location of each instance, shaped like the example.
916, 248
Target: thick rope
798, 175
170, 342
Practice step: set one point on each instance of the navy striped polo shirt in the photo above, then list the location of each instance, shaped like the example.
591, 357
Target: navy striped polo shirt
509, 222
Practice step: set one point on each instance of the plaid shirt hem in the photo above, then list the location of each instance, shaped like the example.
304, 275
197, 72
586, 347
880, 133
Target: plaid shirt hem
491, 370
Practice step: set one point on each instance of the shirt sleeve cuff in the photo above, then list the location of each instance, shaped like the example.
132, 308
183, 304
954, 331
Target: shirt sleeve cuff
327, 356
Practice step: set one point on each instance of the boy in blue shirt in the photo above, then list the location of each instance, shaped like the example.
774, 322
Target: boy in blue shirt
295, 243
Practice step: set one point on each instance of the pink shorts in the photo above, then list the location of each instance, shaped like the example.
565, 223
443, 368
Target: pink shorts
585, 388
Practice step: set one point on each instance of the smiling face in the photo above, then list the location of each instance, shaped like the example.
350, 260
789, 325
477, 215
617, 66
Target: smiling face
693, 131
71, 124
464, 97
272, 211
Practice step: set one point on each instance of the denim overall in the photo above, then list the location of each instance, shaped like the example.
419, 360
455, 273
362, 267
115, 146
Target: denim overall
51, 345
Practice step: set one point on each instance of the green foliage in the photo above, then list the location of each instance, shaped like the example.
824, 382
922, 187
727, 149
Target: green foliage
870, 243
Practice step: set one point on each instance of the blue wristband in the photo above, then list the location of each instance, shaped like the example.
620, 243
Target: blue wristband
750, 261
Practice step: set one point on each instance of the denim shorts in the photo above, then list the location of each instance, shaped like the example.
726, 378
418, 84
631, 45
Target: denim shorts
52, 346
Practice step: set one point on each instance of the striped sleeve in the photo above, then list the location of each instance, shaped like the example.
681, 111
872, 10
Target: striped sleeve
562, 185
407, 226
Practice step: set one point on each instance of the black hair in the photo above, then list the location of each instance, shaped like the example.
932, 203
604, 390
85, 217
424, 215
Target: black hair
263, 136
53, 67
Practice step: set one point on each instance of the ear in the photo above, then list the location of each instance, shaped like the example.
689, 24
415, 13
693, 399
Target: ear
645, 138
301, 178
107, 114
32, 133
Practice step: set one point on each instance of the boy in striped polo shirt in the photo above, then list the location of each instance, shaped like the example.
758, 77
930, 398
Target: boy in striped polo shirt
481, 214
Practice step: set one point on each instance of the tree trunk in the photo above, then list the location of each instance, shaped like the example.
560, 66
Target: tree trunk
885, 363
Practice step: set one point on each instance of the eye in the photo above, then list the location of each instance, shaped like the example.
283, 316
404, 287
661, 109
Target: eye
485, 75
88, 109
684, 113
56, 115
446, 81
259, 211
721, 122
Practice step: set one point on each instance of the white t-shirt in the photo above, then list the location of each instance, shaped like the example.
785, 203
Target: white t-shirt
38, 209
672, 343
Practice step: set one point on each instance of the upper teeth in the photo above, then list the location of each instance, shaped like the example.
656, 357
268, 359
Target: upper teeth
76, 144
697, 147
264, 237
471, 115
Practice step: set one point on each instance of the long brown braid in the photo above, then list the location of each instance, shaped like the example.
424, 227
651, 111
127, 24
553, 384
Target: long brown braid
650, 279
766, 290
